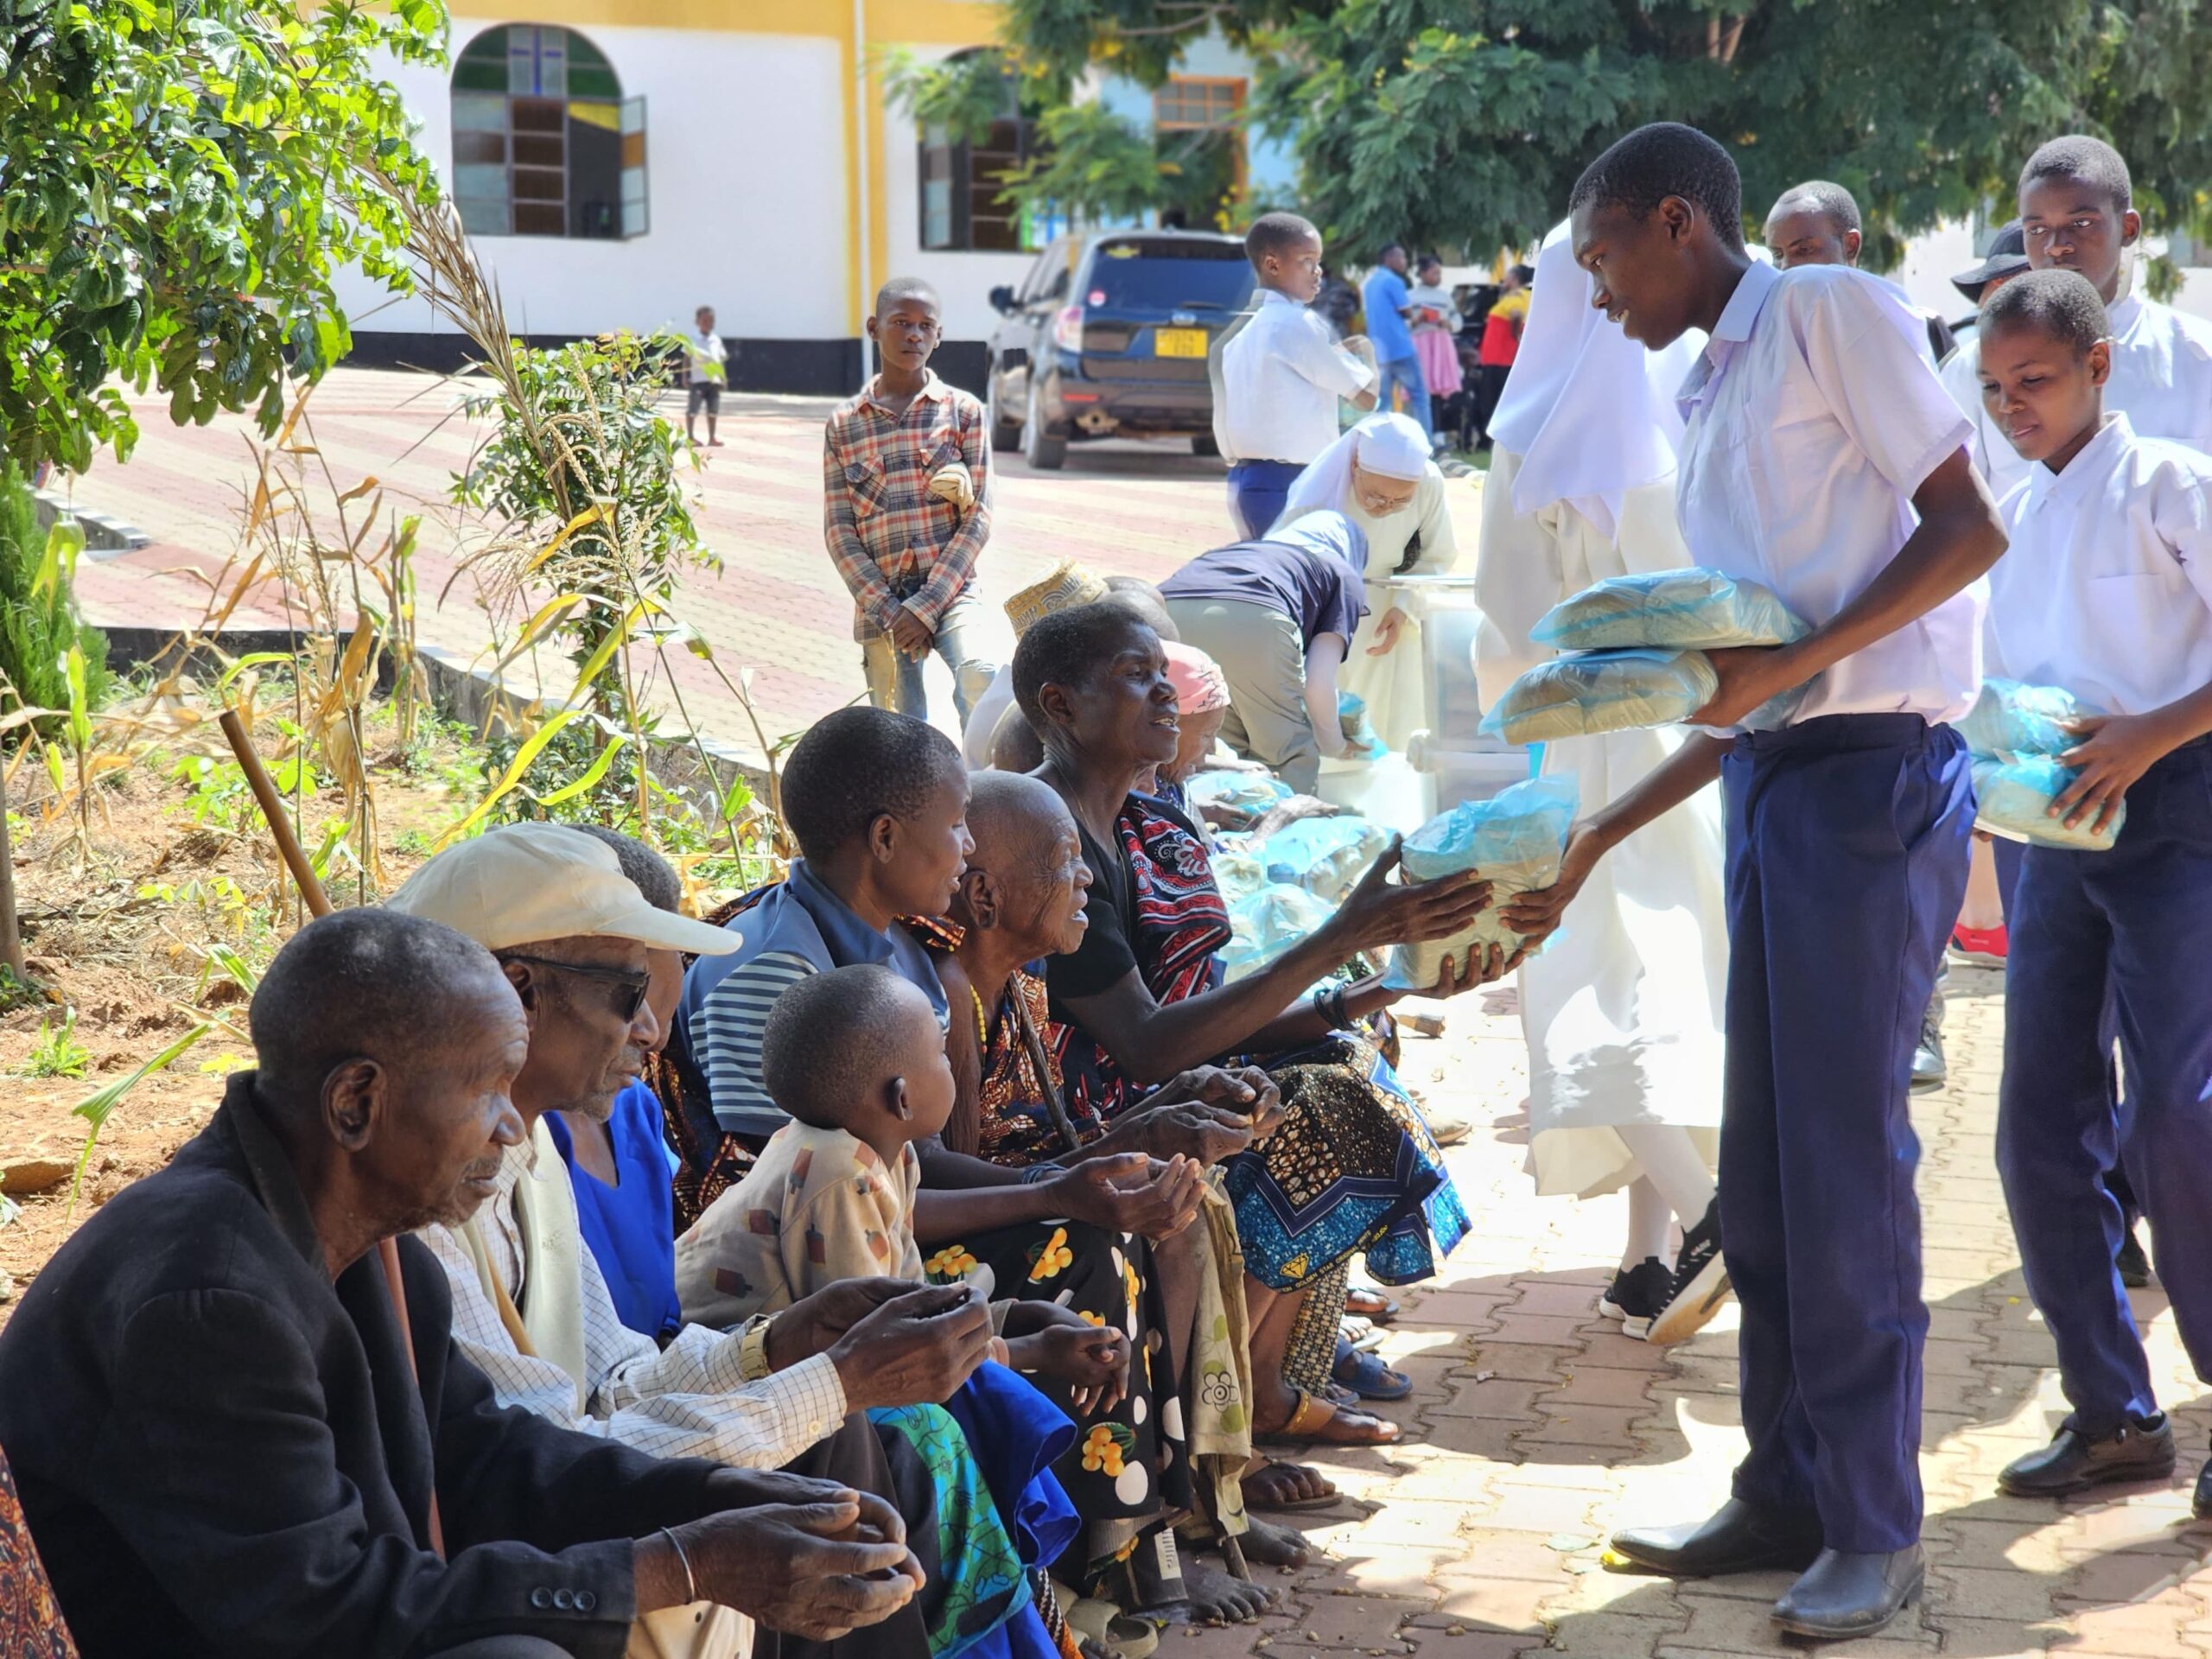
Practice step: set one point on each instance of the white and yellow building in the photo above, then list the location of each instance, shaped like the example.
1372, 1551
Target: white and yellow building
620, 162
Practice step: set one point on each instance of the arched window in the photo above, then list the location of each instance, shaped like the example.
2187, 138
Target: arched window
543, 142
963, 202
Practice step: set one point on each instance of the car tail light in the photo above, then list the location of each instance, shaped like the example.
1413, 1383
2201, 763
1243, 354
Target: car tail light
1067, 329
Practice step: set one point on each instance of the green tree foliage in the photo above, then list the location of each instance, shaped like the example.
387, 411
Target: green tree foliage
182, 177
38, 619
1461, 124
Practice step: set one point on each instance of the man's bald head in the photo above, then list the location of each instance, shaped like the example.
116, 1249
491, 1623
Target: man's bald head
1027, 877
367, 984
388, 1046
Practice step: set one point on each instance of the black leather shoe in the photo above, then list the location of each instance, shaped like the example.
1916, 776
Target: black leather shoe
1844, 1595
2074, 1463
1736, 1539
2201, 1502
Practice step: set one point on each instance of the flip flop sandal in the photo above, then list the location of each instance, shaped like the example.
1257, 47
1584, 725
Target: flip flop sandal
1310, 1416
1370, 1305
1337, 1394
1367, 1377
1289, 1505
1361, 1331
1122, 1635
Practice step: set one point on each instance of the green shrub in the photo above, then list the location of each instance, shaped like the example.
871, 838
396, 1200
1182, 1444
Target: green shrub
37, 627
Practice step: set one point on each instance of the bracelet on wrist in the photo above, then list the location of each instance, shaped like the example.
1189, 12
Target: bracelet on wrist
690, 1584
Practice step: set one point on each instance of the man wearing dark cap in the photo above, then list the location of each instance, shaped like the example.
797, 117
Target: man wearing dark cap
237, 1431
1993, 457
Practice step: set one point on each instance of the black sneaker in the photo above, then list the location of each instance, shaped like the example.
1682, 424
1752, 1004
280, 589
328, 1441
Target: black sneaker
1929, 1070
1636, 1293
1699, 1284
2134, 1266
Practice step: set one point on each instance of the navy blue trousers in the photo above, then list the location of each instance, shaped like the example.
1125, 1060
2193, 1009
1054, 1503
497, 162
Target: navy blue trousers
1258, 491
2132, 923
1848, 841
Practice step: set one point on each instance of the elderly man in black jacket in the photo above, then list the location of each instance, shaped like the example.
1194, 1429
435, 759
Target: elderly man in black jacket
225, 1447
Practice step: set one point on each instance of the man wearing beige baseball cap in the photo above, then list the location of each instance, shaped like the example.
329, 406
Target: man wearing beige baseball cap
531, 1308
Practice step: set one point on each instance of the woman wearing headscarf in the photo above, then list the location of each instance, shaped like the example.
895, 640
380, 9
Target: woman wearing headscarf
1277, 616
1623, 1009
1379, 475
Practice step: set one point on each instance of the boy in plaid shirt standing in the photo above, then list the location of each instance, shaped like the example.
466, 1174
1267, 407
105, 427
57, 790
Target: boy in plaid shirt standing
906, 471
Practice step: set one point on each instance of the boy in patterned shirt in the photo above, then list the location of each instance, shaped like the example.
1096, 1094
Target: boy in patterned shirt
906, 473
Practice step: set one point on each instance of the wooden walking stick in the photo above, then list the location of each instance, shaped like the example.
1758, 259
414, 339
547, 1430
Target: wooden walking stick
318, 903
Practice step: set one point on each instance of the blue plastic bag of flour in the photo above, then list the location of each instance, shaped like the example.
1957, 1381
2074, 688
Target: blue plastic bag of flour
1251, 792
1358, 729
1514, 838
2012, 798
1692, 609
2010, 719
1621, 690
1325, 856
1264, 925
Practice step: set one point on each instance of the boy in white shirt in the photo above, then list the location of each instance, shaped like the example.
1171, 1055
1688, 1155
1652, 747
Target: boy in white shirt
1822, 458
2108, 592
2076, 213
1282, 376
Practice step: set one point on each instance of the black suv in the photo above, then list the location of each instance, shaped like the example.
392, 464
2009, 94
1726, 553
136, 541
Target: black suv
1107, 337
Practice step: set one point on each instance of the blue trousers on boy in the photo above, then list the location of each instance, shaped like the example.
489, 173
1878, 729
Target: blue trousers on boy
2131, 923
1847, 839
1257, 493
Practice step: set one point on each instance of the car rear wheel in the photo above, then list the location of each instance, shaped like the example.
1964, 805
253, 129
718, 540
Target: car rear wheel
1205, 447
1006, 435
1044, 452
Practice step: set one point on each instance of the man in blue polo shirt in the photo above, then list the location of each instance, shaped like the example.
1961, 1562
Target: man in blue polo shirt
1388, 302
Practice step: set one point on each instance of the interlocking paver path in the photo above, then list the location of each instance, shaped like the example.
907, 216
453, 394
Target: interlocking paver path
1535, 1426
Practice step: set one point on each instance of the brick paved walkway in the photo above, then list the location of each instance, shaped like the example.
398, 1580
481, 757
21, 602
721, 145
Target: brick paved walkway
1535, 1426
777, 608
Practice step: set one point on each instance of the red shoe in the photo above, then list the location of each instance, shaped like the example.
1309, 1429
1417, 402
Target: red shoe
1977, 947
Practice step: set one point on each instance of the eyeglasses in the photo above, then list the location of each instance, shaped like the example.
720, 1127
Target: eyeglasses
632, 982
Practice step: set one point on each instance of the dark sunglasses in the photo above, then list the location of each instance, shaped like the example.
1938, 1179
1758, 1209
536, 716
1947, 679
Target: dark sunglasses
634, 983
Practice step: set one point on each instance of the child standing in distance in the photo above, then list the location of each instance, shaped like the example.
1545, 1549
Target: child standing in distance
906, 479
1388, 305
1282, 376
2107, 592
705, 369
1436, 336
1821, 457
2077, 214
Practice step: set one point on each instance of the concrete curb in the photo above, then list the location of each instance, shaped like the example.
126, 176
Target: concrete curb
105, 536
459, 690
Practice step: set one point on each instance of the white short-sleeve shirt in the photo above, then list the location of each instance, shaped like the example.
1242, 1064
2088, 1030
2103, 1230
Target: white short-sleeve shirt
1282, 376
2106, 589
1813, 416
2161, 380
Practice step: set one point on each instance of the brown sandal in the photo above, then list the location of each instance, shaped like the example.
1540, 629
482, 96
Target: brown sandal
1312, 1419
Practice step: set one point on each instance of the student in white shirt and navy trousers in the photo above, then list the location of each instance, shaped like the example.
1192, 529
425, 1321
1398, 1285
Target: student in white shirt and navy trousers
1281, 374
1822, 458
2108, 592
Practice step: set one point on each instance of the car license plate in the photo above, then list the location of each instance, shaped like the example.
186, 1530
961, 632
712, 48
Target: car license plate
1179, 342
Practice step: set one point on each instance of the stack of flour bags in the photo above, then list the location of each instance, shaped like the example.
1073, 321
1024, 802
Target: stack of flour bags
1515, 839
2016, 733
1636, 656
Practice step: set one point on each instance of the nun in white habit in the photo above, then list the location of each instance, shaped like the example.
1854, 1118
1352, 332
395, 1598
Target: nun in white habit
1379, 475
1623, 1009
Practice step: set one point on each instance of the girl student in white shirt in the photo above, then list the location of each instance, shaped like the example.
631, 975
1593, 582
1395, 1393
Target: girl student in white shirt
2107, 592
1622, 1011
